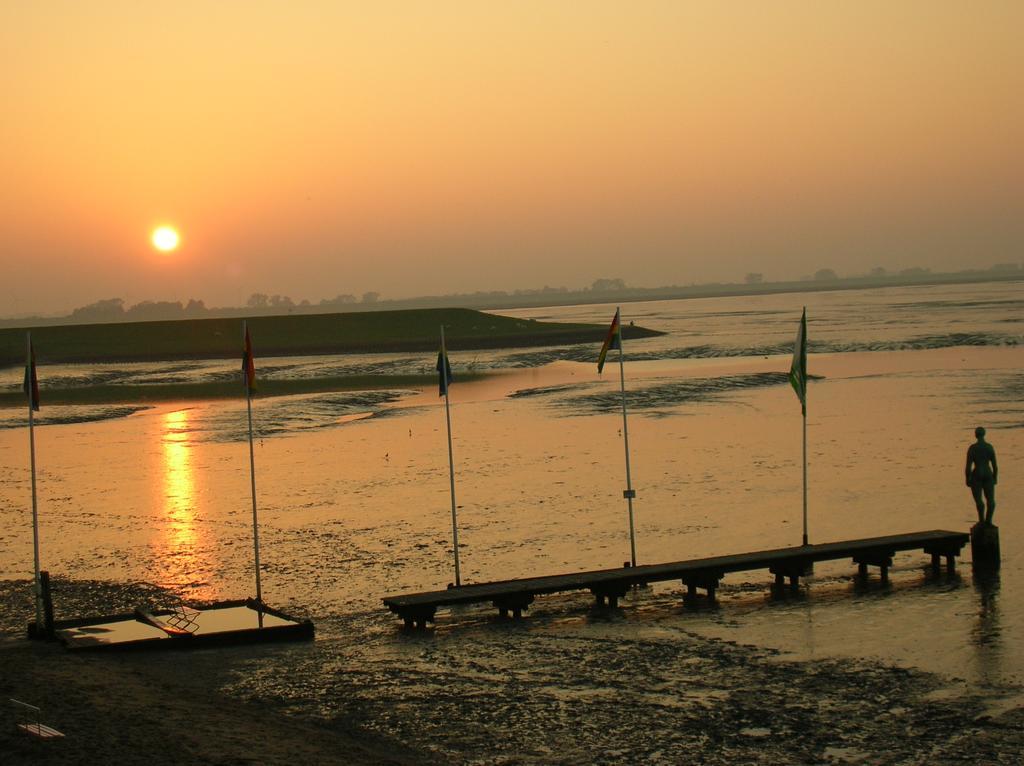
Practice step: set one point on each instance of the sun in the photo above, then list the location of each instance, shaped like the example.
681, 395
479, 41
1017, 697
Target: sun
165, 239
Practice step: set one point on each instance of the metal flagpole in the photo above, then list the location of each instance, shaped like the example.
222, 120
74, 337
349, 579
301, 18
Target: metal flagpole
629, 492
451, 459
804, 408
798, 379
35, 507
252, 463
803, 405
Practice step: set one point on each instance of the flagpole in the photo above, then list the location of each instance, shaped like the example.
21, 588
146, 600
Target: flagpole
804, 411
37, 586
798, 379
451, 460
629, 494
803, 408
252, 470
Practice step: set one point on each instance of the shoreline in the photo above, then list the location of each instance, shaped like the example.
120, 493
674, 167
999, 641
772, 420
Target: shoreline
499, 301
269, 388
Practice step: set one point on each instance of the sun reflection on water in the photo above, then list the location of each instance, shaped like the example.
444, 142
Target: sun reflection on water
179, 559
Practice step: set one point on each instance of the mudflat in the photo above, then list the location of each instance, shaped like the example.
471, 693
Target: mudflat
131, 708
742, 704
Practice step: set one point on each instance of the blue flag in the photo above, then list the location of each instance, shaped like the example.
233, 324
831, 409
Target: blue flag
444, 372
31, 383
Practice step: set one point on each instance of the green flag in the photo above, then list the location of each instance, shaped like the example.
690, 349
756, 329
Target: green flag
798, 370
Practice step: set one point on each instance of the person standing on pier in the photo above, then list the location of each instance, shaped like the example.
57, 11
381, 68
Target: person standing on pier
982, 475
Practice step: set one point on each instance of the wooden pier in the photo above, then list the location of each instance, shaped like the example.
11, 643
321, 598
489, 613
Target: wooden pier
609, 585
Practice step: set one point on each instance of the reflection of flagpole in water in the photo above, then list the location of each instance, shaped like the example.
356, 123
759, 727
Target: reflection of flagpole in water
614, 340
444, 371
249, 375
31, 387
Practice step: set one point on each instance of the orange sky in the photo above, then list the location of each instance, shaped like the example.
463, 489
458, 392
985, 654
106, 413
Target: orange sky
317, 148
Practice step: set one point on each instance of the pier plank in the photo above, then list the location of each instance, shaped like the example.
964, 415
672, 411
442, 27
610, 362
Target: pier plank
611, 584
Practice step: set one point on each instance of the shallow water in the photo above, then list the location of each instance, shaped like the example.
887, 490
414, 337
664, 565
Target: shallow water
354, 504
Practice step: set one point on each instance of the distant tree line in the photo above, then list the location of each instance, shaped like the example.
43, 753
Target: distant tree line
115, 310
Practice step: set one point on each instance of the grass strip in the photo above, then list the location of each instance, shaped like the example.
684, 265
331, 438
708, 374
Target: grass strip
298, 335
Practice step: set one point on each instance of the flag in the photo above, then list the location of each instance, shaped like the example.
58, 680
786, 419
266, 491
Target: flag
248, 364
444, 372
614, 340
31, 383
798, 370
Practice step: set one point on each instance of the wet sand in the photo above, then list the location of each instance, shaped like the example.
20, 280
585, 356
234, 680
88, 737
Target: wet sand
141, 707
573, 691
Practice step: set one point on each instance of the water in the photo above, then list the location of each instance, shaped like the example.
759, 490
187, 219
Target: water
354, 505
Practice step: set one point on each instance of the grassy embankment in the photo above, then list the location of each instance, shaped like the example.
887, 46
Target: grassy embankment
305, 335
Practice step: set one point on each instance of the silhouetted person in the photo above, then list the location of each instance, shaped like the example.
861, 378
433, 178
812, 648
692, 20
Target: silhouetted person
982, 475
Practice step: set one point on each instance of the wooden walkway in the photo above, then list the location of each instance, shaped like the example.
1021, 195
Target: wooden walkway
609, 585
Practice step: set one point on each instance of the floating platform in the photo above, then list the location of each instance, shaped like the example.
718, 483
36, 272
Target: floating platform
609, 585
224, 623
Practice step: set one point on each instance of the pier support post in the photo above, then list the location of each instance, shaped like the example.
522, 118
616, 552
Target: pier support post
707, 580
985, 546
44, 584
609, 593
792, 570
417, 616
880, 558
45, 630
516, 603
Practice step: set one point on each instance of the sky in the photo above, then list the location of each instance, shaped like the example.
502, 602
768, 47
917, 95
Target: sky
412, 148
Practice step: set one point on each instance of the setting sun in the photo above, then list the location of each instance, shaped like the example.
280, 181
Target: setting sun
165, 239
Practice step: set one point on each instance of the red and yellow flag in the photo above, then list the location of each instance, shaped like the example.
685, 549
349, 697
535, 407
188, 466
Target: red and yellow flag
613, 340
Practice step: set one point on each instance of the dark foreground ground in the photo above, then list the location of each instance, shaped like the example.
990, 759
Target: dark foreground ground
143, 708
675, 699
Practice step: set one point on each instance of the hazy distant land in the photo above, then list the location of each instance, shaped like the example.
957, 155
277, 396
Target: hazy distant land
600, 291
